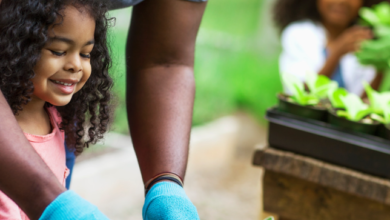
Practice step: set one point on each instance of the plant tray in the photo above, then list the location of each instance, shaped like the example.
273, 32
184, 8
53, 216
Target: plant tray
366, 153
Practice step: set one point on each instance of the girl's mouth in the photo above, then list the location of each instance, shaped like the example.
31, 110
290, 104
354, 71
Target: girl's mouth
64, 87
62, 83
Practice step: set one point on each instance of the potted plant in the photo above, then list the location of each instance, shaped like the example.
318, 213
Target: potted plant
378, 101
335, 99
304, 103
380, 107
355, 117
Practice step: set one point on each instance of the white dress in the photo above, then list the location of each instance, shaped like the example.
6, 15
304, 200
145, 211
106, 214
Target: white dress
303, 45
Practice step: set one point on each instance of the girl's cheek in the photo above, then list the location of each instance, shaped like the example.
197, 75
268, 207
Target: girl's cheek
87, 72
84, 79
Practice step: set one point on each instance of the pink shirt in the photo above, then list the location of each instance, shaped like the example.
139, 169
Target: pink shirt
52, 150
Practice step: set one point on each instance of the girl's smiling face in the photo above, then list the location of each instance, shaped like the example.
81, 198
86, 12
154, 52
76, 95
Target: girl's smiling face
340, 13
64, 66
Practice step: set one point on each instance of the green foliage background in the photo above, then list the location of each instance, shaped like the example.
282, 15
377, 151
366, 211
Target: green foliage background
235, 63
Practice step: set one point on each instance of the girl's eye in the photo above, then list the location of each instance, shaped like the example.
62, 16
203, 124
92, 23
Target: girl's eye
86, 55
57, 53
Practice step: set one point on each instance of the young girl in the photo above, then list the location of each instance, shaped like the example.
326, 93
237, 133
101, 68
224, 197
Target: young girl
320, 36
54, 63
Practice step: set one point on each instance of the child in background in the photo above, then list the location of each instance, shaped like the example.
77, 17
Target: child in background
320, 36
54, 75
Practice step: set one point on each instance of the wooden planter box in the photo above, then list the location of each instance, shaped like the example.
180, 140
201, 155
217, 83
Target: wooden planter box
297, 187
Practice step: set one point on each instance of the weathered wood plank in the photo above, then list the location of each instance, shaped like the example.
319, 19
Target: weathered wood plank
324, 174
297, 199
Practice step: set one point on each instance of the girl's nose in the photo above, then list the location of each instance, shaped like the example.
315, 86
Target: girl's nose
73, 65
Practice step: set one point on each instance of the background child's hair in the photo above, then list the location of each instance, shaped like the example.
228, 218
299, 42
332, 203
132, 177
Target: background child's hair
289, 11
24, 28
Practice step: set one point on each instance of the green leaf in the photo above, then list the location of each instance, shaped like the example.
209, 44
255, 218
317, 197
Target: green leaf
323, 91
382, 11
354, 106
382, 31
335, 97
378, 101
386, 114
322, 81
311, 79
375, 52
361, 114
290, 81
373, 96
270, 218
379, 118
319, 85
299, 95
369, 16
342, 113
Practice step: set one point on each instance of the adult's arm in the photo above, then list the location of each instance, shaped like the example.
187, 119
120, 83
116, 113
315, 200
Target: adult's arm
24, 177
160, 83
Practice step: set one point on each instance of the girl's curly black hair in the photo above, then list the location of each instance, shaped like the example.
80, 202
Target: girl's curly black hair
289, 11
24, 26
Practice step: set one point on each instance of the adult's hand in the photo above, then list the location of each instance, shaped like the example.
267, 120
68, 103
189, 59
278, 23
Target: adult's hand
160, 90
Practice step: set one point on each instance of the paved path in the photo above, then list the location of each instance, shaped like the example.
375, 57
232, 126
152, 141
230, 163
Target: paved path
220, 179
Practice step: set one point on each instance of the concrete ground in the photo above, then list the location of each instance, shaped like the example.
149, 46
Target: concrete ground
220, 180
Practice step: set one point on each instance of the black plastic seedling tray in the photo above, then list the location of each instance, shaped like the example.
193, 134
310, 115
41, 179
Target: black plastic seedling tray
366, 153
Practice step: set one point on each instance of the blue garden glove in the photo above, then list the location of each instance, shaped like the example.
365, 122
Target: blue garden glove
70, 206
168, 201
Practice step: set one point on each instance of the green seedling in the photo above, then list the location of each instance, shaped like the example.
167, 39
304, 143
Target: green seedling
320, 85
297, 88
335, 97
270, 218
378, 101
384, 119
355, 109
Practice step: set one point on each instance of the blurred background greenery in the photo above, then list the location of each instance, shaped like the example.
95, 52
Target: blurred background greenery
236, 61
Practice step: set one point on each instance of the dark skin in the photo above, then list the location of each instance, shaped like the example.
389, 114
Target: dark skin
160, 57
160, 94
337, 15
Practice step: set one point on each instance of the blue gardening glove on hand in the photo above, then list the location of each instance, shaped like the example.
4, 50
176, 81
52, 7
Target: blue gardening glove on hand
168, 201
70, 206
